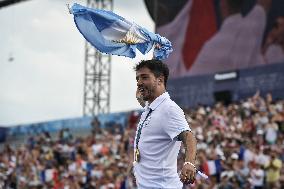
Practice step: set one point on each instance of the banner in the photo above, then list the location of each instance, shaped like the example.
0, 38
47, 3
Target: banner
206, 90
74, 124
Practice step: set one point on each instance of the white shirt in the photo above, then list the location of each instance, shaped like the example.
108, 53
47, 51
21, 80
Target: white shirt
257, 177
236, 45
274, 54
271, 133
248, 156
158, 145
180, 23
262, 159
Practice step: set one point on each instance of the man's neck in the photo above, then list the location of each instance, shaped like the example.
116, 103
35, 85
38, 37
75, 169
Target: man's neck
157, 95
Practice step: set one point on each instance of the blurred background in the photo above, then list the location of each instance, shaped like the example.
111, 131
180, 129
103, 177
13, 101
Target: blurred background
68, 113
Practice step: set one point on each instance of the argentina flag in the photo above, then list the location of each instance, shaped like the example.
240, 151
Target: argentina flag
112, 34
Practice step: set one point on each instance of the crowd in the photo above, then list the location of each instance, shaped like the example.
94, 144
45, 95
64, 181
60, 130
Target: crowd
240, 145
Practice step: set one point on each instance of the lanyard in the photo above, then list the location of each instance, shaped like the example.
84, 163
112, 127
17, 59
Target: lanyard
140, 128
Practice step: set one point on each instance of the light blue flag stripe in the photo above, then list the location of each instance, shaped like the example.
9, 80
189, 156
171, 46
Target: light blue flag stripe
112, 34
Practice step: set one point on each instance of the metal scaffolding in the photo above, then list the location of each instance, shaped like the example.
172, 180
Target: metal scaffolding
97, 72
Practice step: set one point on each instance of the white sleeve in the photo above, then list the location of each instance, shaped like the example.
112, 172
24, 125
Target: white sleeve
249, 40
176, 122
255, 21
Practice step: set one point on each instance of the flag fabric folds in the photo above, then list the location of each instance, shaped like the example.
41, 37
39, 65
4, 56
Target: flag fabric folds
112, 34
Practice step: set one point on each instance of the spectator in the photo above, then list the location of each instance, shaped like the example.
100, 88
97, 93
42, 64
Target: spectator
273, 170
229, 139
274, 44
257, 176
238, 42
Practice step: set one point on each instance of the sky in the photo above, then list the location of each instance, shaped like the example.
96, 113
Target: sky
42, 62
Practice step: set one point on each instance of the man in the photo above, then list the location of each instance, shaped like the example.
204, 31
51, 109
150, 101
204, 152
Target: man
202, 49
257, 175
273, 170
237, 44
140, 98
159, 134
274, 45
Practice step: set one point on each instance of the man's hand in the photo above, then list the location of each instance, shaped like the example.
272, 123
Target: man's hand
139, 98
188, 172
130, 174
129, 171
187, 175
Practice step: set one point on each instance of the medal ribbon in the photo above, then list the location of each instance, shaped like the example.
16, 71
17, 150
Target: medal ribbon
140, 128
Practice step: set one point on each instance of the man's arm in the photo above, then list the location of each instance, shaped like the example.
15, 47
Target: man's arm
188, 171
140, 98
189, 142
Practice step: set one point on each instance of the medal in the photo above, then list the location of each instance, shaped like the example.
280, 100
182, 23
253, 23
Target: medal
136, 155
137, 138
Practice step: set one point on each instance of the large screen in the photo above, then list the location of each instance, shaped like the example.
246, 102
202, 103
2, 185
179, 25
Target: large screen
215, 36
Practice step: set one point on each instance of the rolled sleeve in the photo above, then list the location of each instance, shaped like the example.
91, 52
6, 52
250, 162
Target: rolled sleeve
177, 122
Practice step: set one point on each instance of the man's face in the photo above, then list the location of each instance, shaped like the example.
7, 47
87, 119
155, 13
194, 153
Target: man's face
146, 83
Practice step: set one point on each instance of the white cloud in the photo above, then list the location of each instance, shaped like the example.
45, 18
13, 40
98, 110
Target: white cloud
45, 80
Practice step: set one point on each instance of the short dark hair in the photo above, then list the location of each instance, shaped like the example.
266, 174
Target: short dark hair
157, 67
